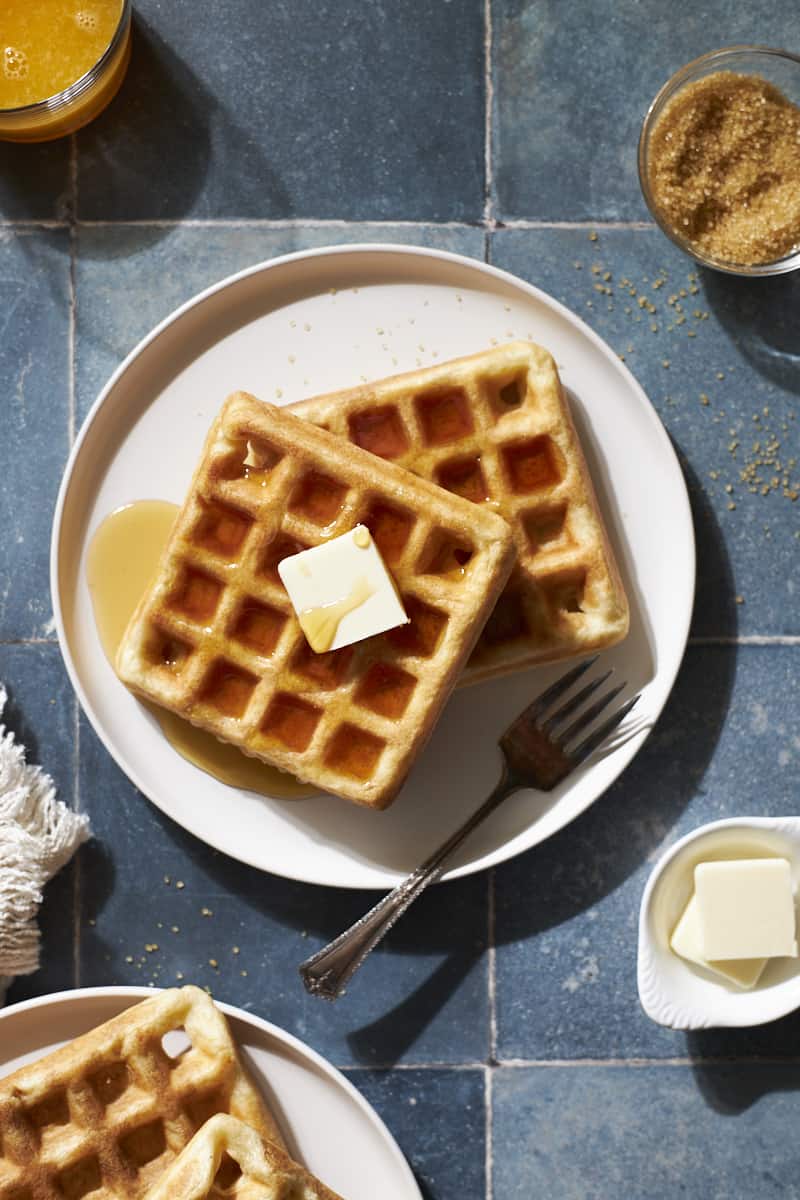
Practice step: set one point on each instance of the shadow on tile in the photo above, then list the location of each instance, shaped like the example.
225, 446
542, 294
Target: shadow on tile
761, 315
397, 1030
148, 155
14, 718
154, 136
34, 180
650, 796
774, 1040
640, 642
97, 865
715, 612
730, 1089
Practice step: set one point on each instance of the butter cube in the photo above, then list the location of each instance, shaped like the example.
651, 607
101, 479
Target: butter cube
746, 908
342, 591
685, 941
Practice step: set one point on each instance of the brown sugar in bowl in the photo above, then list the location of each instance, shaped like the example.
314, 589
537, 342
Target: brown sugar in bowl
719, 160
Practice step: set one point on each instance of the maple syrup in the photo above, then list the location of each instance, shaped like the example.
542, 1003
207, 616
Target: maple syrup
122, 560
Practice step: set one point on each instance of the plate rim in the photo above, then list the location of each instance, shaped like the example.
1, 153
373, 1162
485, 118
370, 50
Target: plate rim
506, 850
73, 996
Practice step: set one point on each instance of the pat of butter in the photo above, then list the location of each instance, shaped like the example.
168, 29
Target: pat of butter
686, 941
342, 591
745, 908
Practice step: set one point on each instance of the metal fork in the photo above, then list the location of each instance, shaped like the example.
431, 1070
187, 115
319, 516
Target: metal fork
534, 756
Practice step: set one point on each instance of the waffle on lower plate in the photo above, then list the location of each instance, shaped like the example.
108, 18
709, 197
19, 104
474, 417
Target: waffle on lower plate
227, 1158
215, 638
495, 428
108, 1113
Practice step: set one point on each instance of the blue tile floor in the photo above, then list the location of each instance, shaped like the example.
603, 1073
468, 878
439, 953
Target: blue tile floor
497, 1030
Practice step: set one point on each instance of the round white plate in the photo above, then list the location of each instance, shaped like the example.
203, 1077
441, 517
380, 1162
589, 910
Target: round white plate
314, 322
328, 1125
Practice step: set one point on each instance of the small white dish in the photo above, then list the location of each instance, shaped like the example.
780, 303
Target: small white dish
679, 994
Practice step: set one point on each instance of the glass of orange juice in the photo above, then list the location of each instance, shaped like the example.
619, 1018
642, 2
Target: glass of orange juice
61, 62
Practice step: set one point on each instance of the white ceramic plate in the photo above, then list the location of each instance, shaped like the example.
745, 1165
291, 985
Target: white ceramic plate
328, 1125
314, 322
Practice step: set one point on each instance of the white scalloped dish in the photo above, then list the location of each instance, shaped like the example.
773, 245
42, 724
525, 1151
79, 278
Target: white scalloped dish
680, 994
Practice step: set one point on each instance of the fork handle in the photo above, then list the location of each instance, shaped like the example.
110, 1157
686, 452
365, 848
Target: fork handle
327, 972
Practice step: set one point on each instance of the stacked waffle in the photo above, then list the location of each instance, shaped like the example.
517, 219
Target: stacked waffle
113, 1115
496, 429
469, 477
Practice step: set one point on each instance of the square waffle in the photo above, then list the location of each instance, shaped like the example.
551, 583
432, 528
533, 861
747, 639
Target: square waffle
495, 428
215, 637
228, 1158
105, 1115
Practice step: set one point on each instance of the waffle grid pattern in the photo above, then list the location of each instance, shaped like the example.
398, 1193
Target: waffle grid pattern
227, 1158
105, 1116
495, 429
216, 638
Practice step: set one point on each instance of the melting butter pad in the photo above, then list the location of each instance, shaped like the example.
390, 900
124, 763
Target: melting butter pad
342, 591
686, 941
745, 909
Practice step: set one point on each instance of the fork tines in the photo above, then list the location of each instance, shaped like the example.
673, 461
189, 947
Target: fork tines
552, 726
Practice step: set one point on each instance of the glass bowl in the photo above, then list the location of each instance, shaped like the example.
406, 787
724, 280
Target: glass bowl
777, 67
78, 104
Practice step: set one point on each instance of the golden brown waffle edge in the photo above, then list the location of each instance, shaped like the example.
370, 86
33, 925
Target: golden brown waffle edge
108, 1113
215, 638
496, 428
227, 1157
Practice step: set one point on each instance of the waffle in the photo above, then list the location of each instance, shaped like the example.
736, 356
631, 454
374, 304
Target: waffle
228, 1158
495, 428
107, 1114
215, 638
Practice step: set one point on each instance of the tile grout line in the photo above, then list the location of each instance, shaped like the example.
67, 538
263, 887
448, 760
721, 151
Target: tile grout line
491, 225
488, 1089
77, 880
488, 100
529, 223
42, 641
32, 224
491, 964
751, 639
72, 421
71, 225
516, 1064
489, 1149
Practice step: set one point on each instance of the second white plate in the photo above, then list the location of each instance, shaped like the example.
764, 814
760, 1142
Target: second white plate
314, 322
328, 1125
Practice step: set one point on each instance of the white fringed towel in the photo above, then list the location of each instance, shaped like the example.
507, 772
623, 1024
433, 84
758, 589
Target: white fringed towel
38, 835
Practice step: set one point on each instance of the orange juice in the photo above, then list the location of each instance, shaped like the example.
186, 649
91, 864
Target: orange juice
61, 62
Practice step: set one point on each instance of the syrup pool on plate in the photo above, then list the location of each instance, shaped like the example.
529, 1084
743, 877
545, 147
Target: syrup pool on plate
61, 62
122, 559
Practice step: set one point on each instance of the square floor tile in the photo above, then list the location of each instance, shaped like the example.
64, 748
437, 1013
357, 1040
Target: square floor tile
572, 84
645, 1133
34, 365
439, 1120
294, 110
35, 181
